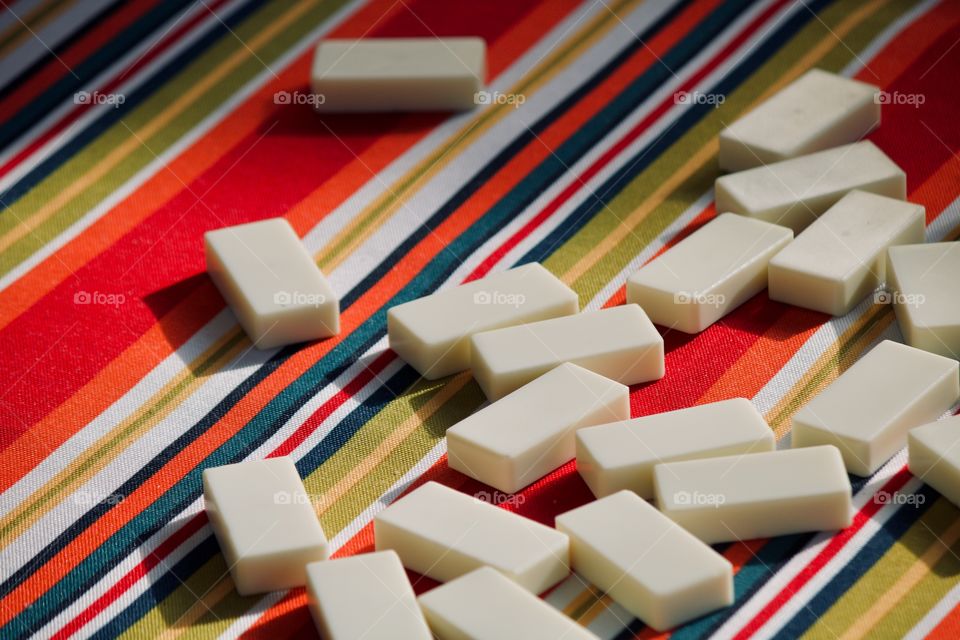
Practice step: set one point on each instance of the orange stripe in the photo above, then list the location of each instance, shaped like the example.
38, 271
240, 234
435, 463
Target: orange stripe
163, 186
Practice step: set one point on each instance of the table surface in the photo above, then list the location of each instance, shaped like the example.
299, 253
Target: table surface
127, 130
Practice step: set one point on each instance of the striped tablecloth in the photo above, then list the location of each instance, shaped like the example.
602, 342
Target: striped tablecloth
127, 129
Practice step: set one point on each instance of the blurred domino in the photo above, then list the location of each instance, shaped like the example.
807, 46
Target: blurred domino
526, 435
484, 605
271, 282
756, 496
934, 456
364, 596
650, 566
398, 74
621, 455
709, 273
794, 192
816, 111
923, 279
841, 258
433, 333
443, 534
869, 409
264, 522
619, 343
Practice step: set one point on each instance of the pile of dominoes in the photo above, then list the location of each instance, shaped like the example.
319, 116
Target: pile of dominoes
807, 210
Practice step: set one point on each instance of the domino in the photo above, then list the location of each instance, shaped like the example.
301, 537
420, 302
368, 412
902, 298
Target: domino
621, 455
264, 522
934, 456
433, 333
793, 193
650, 566
709, 273
756, 496
841, 258
619, 343
443, 534
923, 281
485, 605
398, 74
271, 283
529, 433
816, 111
869, 409
364, 596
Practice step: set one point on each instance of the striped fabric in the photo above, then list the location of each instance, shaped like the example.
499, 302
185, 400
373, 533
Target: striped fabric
127, 129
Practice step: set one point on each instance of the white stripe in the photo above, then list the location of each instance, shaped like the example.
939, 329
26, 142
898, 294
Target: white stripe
936, 615
96, 84
188, 139
48, 37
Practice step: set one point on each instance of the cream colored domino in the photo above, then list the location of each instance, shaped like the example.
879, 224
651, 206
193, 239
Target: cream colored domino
841, 258
485, 605
793, 193
271, 282
934, 456
708, 274
264, 522
923, 279
443, 533
398, 74
867, 411
364, 596
756, 496
529, 433
619, 343
621, 455
816, 111
650, 566
433, 333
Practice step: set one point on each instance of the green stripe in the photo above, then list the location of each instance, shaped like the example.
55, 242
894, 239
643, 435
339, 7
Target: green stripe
161, 141
525, 87
875, 582
122, 438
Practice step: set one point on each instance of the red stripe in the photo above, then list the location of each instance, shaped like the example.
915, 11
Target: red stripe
826, 554
564, 487
89, 42
264, 177
109, 87
583, 178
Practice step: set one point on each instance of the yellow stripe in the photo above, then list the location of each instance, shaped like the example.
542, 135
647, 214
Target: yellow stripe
100, 453
910, 578
706, 153
401, 190
155, 125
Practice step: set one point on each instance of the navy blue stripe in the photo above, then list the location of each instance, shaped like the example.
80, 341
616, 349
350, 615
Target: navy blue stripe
889, 534
64, 88
132, 100
300, 390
